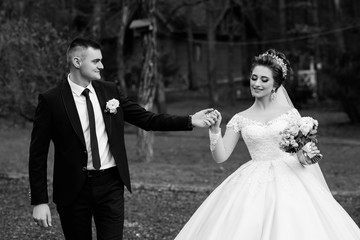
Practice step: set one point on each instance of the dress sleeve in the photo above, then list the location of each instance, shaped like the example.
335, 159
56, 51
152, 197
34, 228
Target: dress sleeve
214, 138
235, 123
294, 115
222, 147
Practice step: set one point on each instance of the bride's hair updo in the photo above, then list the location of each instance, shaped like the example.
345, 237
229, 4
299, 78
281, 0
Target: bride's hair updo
278, 64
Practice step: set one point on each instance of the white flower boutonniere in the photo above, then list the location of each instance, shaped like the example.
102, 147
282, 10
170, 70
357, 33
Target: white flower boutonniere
112, 105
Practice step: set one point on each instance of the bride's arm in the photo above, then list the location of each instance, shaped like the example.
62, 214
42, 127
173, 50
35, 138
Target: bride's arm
222, 147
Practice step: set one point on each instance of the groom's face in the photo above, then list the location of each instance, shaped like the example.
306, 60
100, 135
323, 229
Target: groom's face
91, 64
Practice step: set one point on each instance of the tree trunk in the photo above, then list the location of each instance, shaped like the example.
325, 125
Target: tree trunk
211, 69
230, 70
97, 24
193, 84
339, 34
146, 97
72, 13
147, 87
160, 99
282, 18
316, 50
120, 46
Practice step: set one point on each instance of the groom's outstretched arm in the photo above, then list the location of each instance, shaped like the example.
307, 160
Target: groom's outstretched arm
140, 117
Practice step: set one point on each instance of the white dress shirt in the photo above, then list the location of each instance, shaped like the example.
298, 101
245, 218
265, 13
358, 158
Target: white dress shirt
106, 158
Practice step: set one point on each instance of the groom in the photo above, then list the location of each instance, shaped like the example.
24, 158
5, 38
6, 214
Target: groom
84, 118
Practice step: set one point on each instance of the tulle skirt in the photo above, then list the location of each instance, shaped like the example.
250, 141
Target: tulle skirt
270, 200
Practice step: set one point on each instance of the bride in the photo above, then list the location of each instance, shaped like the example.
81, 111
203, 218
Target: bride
272, 196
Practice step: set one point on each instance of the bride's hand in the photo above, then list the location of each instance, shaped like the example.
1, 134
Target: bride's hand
308, 152
215, 128
311, 149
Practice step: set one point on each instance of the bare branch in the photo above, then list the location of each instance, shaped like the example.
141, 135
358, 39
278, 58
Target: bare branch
222, 14
185, 4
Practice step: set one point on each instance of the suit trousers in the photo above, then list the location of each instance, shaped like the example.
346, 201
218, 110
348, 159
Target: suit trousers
101, 198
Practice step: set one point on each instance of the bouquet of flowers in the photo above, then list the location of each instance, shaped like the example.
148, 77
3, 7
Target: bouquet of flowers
299, 135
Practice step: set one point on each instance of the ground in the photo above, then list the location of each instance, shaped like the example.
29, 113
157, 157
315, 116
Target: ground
168, 190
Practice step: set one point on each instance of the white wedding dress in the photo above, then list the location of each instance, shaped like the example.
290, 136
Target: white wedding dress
271, 197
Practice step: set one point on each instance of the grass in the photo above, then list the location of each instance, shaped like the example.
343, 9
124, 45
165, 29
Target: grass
169, 189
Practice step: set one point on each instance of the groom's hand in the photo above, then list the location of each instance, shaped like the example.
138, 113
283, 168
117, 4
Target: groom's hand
42, 215
204, 118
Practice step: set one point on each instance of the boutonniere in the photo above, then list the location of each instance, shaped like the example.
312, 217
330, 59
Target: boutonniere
112, 105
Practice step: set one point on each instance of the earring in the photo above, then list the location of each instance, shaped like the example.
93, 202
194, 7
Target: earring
273, 95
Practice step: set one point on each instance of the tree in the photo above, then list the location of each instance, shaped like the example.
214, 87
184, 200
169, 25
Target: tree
127, 12
215, 11
32, 56
183, 12
348, 83
148, 82
230, 70
339, 34
96, 28
193, 84
346, 71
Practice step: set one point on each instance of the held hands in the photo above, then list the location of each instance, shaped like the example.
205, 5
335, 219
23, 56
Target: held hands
207, 118
215, 127
42, 215
204, 118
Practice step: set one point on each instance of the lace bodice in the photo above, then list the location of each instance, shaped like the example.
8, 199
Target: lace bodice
262, 139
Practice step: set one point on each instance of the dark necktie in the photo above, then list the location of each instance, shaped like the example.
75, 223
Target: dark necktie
93, 138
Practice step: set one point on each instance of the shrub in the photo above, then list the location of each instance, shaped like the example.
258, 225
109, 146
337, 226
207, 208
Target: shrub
346, 73
33, 60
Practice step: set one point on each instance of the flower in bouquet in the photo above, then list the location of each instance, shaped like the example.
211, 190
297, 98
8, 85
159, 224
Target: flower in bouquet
308, 126
299, 135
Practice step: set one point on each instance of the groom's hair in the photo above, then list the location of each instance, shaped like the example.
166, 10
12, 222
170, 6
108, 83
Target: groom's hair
82, 44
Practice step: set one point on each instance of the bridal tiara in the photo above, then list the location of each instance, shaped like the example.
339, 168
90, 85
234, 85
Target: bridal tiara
279, 61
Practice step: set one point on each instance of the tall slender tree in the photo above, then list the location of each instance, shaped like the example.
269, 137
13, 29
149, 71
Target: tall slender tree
96, 28
230, 69
282, 18
215, 12
339, 34
128, 9
185, 8
193, 85
148, 82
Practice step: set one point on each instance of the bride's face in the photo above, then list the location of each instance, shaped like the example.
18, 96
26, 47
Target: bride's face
261, 82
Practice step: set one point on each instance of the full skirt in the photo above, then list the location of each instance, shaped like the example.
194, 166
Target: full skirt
270, 200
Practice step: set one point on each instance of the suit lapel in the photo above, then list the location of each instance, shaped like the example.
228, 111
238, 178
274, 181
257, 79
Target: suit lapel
71, 110
102, 97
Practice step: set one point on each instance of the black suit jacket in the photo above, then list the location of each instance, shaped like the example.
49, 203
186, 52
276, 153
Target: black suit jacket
57, 120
